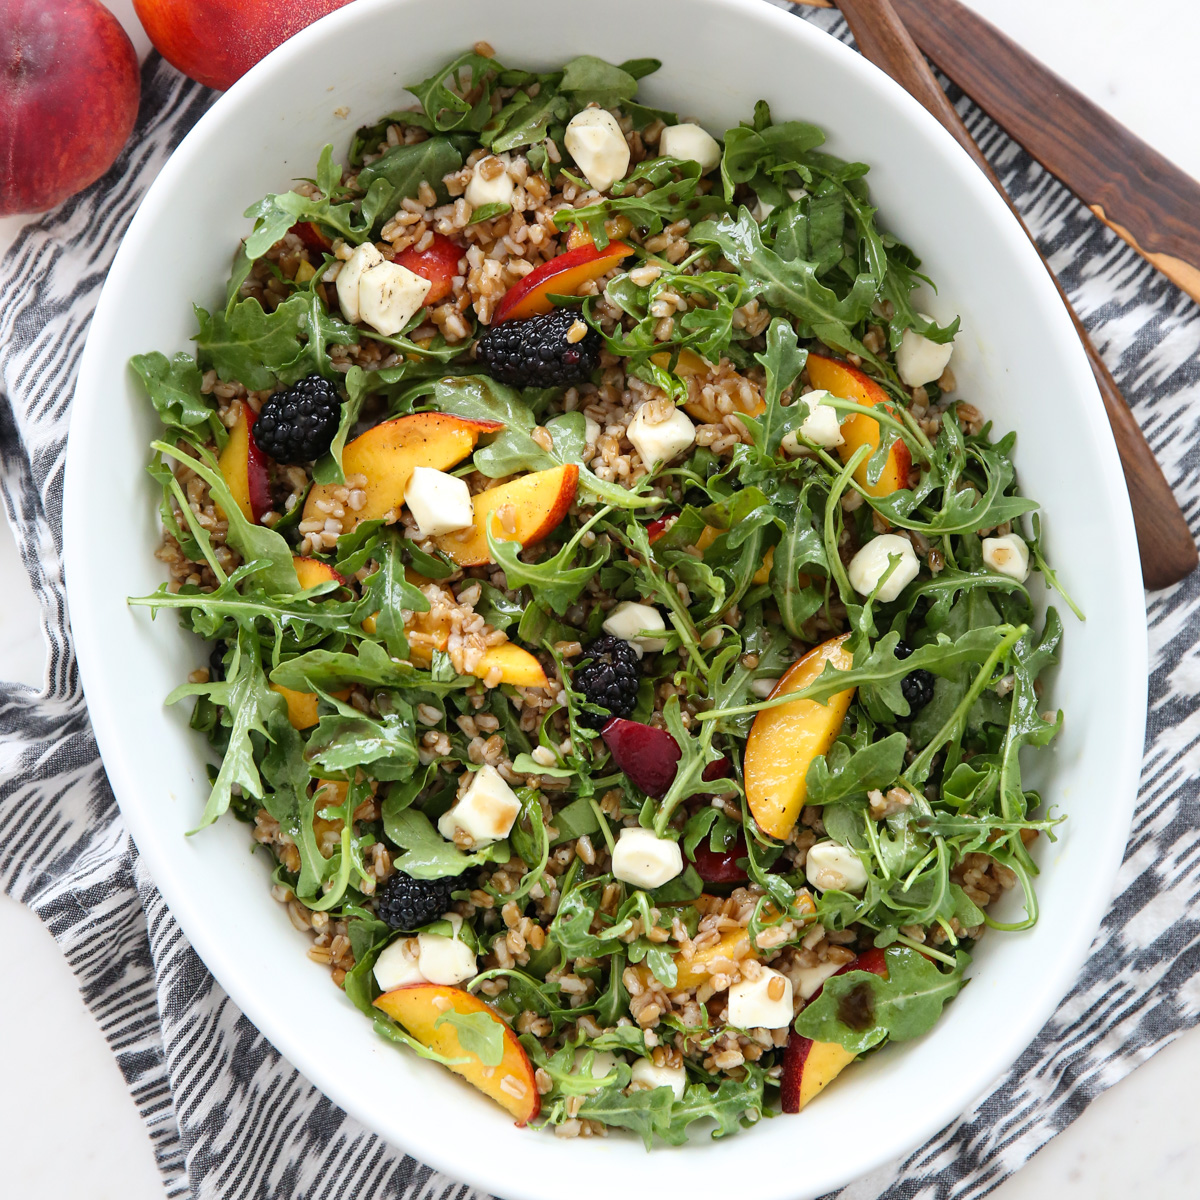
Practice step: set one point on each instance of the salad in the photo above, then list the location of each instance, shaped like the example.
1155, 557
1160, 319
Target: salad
621, 647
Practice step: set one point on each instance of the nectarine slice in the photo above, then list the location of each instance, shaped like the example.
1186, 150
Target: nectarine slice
312, 571
808, 1066
841, 379
510, 1083
783, 741
244, 468
523, 510
561, 276
710, 533
387, 454
302, 706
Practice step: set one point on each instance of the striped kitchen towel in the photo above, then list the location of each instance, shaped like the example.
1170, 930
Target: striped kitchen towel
227, 1115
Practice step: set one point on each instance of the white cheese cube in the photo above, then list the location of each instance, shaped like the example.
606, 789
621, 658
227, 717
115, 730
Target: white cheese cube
595, 141
363, 259
389, 295
765, 1002
439, 502
868, 565
660, 440
762, 688
920, 361
822, 425
830, 866
650, 1076
591, 431
644, 860
690, 142
485, 813
497, 190
628, 619
604, 1062
397, 965
764, 208
1008, 555
445, 960
810, 979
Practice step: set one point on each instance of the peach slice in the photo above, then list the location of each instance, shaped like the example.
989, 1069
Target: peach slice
515, 664
809, 1066
710, 533
511, 1084
841, 379
387, 454
561, 276
244, 468
784, 740
312, 571
534, 504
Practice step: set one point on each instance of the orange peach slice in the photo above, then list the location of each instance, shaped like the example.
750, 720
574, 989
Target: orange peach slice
244, 468
387, 454
808, 1066
523, 510
710, 534
561, 276
511, 1083
312, 571
783, 741
841, 379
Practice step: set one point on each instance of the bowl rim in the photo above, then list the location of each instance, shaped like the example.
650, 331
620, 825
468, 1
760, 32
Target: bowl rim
1057, 977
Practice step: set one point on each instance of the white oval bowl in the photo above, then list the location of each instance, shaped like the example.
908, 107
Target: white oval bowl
1017, 358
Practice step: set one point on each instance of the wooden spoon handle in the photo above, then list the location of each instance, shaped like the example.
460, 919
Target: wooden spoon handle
1165, 543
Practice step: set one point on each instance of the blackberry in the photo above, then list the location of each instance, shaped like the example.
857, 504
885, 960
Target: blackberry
917, 688
407, 904
537, 352
297, 425
903, 650
216, 664
609, 678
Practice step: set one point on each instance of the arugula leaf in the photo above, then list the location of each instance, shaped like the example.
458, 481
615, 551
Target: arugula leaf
427, 854
347, 739
644, 1112
903, 1006
479, 1034
792, 285
173, 386
733, 1105
843, 772
404, 168
444, 106
249, 702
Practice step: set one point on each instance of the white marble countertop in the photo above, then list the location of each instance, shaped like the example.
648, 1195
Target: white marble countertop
1137, 60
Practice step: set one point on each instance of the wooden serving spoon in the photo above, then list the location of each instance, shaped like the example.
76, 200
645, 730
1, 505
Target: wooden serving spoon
1165, 544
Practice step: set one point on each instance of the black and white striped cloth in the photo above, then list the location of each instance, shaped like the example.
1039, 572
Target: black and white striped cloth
228, 1117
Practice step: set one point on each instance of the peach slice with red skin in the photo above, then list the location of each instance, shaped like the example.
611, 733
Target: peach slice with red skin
808, 1066
244, 468
511, 1083
784, 740
561, 276
312, 571
841, 379
533, 504
386, 456
302, 706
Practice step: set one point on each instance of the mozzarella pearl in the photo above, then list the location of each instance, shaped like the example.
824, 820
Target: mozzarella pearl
604, 1062
595, 141
920, 361
363, 259
822, 426
660, 440
389, 295
1008, 555
688, 141
496, 190
445, 960
628, 619
644, 860
486, 811
810, 979
764, 1002
439, 502
648, 1075
869, 564
830, 866
397, 965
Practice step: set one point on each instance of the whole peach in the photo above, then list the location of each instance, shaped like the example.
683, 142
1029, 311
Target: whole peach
217, 41
69, 92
